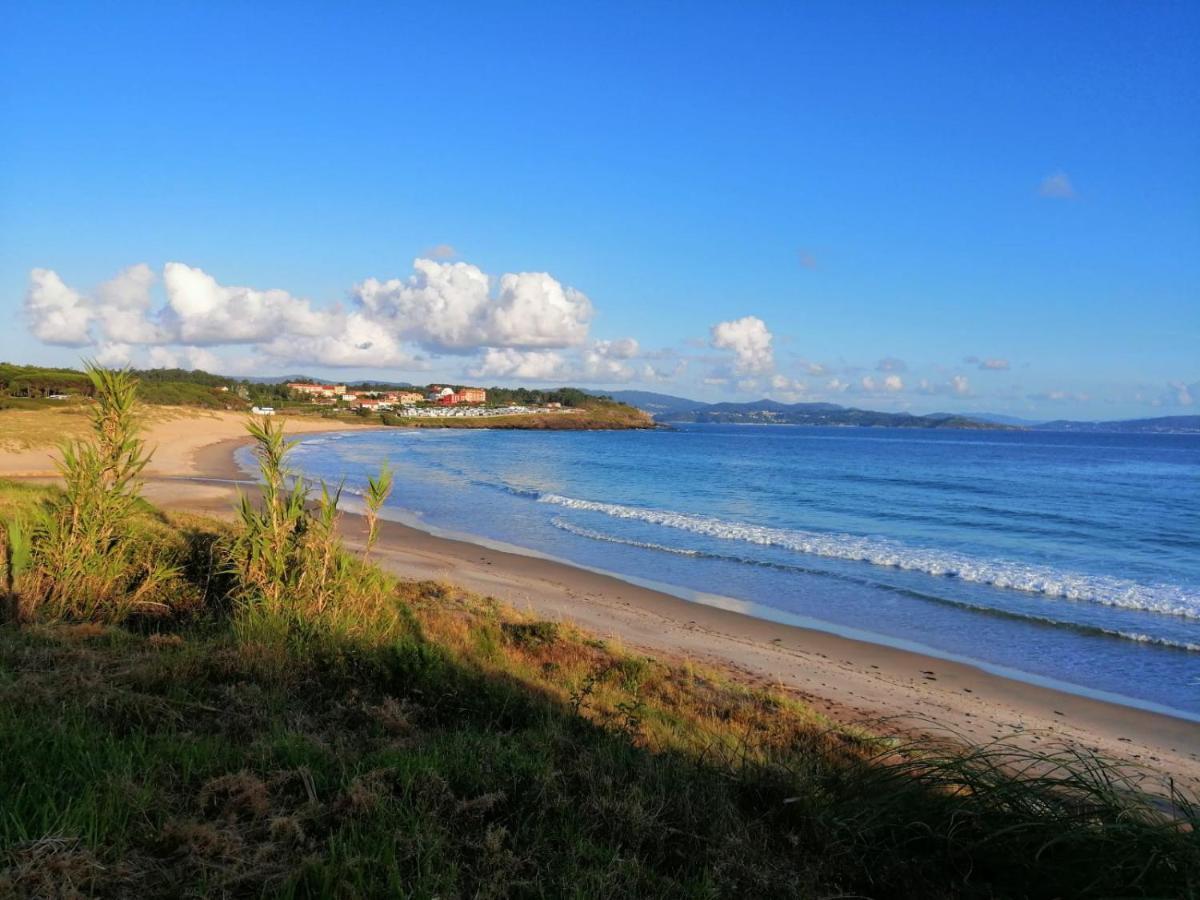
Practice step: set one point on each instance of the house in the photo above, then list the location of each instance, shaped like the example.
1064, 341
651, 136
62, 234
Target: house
314, 391
449, 397
404, 398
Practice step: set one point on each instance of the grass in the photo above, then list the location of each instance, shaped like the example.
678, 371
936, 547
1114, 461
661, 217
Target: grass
458, 749
30, 424
308, 726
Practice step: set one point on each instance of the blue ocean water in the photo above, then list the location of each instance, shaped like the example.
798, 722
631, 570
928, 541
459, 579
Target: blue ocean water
1066, 557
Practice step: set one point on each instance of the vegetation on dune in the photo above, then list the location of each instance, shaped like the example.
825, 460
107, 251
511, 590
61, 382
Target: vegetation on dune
310, 726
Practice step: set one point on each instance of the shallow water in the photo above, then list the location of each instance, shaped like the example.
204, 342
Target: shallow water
1073, 557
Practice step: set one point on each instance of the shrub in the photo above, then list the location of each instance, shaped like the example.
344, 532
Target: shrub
86, 556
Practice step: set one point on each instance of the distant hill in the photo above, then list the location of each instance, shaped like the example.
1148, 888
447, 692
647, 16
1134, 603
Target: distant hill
670, 408
1159, 425
656, 404
1001, 419
667, 408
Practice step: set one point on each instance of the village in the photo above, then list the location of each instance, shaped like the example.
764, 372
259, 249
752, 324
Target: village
437, 402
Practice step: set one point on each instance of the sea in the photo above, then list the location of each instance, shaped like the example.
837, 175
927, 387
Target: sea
1071, 560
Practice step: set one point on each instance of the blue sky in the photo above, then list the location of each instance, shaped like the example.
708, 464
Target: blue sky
920, 206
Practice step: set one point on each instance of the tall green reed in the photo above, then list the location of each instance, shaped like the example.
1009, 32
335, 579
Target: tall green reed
378, 489
86, 560
291, 567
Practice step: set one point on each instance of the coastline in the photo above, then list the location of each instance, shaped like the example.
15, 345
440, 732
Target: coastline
849, 680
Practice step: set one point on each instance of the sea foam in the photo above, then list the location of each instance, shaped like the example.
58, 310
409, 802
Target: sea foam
1165, 599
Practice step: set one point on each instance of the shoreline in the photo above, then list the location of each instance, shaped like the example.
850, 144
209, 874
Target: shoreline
851, 680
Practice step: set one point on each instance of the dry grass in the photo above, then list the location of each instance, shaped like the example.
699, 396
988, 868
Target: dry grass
49, 425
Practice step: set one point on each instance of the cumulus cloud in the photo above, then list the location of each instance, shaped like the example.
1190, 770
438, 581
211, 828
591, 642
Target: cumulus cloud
1181, 394
993, 364
356, 341
449, 307
440, 251
57, 314
958, 385
750, 341
609, 362
442, 307
202, 311
623, 348
1057, 187
891, 364
122, 308
887, 384
535, 365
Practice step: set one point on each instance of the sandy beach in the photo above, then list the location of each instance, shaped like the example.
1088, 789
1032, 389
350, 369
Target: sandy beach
849, 680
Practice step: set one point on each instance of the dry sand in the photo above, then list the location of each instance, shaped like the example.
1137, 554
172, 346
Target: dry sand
173, 435
850, 680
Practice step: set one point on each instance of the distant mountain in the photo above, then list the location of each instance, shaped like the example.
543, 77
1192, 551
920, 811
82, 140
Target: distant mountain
771, 412
805, 414
656, 404
1159, 425
285, 379
999, 419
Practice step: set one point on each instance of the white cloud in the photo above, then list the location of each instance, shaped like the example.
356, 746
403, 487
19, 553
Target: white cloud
57, 314
955, 384
887, 384
114, 355
535, 365
837, 385
623, 348
1057, 186
449, 307
750, 341
122, 307
202, 311
1181, 394
891, 364
608, 362
357, 341
994, 365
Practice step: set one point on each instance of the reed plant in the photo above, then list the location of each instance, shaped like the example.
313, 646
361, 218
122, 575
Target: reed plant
290, 565
82, 556
379, 488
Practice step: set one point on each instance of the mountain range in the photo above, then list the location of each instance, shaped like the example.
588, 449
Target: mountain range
667, 408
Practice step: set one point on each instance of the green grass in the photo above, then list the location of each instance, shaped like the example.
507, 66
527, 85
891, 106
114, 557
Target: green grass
455, 748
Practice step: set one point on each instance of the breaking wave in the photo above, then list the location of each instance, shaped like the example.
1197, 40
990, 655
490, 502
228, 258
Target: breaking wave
1077, 627
1165, 599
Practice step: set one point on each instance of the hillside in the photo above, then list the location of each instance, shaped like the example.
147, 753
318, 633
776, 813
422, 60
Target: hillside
669, 409
1157, 425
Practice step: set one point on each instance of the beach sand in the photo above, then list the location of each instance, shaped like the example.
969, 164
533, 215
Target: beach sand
849, 680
